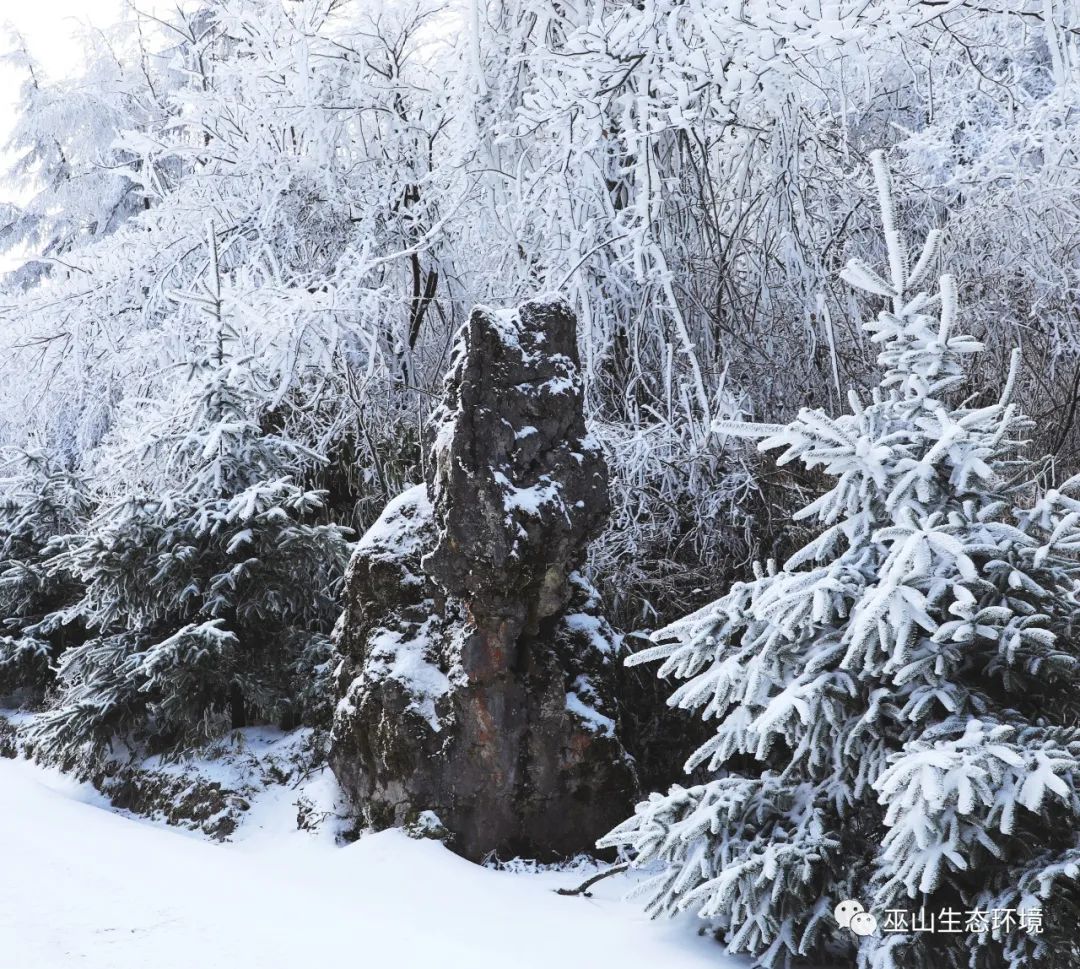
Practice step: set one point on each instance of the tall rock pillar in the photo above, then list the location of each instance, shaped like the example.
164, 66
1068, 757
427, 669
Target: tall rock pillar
476, 674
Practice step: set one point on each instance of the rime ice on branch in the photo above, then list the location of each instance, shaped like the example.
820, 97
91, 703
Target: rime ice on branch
475, 680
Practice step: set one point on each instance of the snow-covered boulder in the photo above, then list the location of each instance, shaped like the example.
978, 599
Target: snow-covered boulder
476, 670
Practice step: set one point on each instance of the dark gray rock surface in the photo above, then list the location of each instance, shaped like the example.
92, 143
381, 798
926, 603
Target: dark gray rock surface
476, 672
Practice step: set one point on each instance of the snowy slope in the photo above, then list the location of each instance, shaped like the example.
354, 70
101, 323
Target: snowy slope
82, 886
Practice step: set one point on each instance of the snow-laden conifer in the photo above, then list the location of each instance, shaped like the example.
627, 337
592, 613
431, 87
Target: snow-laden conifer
209, 576
41, 501
893, 704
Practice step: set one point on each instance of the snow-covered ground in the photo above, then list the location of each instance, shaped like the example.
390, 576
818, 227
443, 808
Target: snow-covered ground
83, 887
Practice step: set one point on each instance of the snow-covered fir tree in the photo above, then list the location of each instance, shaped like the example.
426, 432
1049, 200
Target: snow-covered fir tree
209, 571
895, 705
42, 500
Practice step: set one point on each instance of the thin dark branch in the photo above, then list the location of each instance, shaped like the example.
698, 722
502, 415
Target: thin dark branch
583, 888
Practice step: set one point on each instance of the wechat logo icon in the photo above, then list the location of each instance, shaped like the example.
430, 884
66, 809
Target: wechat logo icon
851, 915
